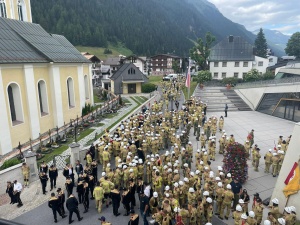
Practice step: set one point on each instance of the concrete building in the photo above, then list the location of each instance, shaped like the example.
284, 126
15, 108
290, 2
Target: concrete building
163, 64
44, 81
234, 57
96, 67
139, 62
127, 80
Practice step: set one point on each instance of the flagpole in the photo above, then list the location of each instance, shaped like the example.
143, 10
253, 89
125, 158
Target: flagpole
189, 68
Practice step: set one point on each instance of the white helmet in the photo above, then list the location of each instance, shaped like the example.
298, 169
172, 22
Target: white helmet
205, 193
252, 214
218, 178
175, 171
197, 172
155, 194
103, 174
185, 165
167, 188
169, 170
228, 174
130, 170
186, 179
192, 174
288, 210
244, 216
228, 186
241, 201
177, 209
281, 221
209, 200
220, 184
167, 195
267, 222
180, 182
208, 224
293, 208
238, 208
175, 184
275, 201
191, 190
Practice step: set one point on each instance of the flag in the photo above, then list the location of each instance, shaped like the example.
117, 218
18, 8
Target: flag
292, 181
188, 77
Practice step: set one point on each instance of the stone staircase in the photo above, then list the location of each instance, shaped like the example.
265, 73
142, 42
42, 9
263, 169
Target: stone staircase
217, 97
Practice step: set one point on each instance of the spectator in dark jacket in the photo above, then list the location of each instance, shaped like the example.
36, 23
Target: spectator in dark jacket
72, 206
78, 168
116, 199
53, 203
53, 176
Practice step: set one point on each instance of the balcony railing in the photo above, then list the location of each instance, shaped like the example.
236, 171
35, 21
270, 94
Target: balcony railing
269, 83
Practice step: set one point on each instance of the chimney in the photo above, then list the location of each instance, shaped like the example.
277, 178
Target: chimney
231, 38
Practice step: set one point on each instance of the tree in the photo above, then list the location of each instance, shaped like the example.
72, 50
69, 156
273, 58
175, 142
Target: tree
203, 76
293, 45
261, 44
175, 67
252, 75
200, 52
269, 75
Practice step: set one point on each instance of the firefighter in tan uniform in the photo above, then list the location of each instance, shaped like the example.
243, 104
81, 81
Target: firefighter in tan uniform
268, 161
25, 171
227, 200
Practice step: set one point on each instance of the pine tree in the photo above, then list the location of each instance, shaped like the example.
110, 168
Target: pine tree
235, 162
261, 44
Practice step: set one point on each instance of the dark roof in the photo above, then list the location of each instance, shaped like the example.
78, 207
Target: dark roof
277, 65
133, 56
122, 71
23, 42
112, 61
236, 50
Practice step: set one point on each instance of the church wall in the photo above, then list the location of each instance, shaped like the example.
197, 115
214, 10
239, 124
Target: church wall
19, 132
65, 73
46, 121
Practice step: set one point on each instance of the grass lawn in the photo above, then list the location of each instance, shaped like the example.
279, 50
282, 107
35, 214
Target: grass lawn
99, 124
48, 157
192, 88
99, 52
155, 79
97, 99
112, 115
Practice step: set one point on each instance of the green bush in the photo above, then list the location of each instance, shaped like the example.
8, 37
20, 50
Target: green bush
203, 76
252, 75
9, 163
232, 80
107, 51
268, 75
149, 87
87, 109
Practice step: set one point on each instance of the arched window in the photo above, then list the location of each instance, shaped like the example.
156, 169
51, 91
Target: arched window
22, 10
15, 105
2, 9
71, 96
86, 87
42, 91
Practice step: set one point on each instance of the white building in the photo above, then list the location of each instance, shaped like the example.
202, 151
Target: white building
234, 57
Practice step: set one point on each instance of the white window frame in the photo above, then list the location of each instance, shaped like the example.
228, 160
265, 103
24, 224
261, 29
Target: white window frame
70, 92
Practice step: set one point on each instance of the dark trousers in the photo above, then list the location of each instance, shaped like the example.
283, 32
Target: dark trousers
69, 191
76, 211
115, 209
225, 113
55, 211
86, 202
52, 182
18, 198
127, 207
62, 209
235, 200
80, 197
144, 215
44, 185
92, 191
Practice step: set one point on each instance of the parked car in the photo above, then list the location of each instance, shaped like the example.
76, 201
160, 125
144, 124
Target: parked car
170, 77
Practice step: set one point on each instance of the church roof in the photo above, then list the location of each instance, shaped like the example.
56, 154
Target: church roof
23, 42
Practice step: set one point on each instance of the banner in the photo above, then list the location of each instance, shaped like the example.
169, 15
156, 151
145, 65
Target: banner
292, 181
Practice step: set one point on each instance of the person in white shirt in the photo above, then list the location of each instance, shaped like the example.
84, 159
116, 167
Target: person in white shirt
17, 192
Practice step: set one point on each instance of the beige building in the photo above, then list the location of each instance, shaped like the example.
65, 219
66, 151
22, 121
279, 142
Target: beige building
16, 9
44, 80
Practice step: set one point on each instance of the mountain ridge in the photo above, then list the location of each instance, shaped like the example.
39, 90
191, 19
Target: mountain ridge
145, 27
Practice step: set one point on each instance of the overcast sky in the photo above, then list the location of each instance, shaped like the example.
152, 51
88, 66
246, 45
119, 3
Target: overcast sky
282, 15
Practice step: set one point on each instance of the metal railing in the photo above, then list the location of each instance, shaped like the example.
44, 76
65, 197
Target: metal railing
269, 83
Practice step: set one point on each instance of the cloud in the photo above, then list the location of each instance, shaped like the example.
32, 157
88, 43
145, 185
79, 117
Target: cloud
253, 14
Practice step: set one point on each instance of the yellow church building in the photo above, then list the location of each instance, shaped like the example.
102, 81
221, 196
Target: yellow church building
44, 80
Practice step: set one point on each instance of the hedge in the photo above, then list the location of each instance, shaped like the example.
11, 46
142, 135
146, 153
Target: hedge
149, 87
9, 163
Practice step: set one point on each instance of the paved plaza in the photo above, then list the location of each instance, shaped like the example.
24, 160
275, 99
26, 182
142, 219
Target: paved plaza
267, 130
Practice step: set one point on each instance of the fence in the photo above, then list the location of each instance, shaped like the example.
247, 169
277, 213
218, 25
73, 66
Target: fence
268, 83
53, 133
